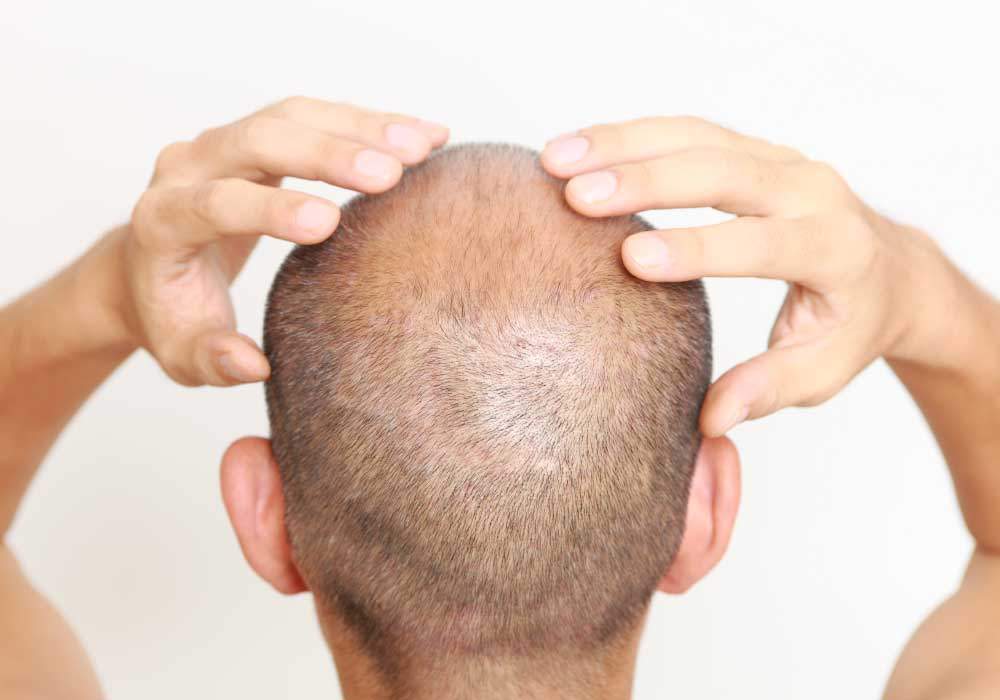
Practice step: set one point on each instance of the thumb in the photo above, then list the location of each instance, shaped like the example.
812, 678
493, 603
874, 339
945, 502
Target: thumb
795, 375
226, 358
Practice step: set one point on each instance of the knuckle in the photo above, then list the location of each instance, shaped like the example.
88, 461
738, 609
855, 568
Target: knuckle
387, 117
689, 121
329, 150
692, 125
321, 159
292, 105
344, 105
771, 399
252, 137
370, 125
820, 393
695, 130
209, 136
279, 209
250, 134
740, 169
640, 177
145, 218
595, 128
179, 373
787, 153
826, 177
763, 172
173, 361
356, 119
609, 138
207, 199
170, 157
698, 247
145, 209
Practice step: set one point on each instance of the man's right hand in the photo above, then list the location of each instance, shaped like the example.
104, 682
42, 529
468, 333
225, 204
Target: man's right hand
208, 202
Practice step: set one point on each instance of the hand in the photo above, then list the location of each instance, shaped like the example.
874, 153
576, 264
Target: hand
211, 198
856, 280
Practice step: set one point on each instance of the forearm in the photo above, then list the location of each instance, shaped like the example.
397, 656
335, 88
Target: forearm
60, 342
956, 384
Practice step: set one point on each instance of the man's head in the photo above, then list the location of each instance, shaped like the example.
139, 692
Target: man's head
486, 429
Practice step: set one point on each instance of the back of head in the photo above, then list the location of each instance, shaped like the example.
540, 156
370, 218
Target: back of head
486, 428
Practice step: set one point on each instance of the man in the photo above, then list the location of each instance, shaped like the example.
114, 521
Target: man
521, 332
485, 429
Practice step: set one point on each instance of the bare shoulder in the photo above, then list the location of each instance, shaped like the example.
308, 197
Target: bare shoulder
40, 656
955, 653
20, 691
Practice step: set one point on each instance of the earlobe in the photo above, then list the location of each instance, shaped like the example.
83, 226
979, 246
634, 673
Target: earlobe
711, 513
251, 490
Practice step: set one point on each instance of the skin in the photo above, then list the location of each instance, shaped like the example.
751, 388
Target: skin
860, 287
251, 489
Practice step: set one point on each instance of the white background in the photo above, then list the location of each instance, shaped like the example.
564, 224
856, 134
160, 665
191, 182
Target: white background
849, 533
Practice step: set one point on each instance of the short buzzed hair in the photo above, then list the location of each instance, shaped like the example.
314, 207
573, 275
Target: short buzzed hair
486, 427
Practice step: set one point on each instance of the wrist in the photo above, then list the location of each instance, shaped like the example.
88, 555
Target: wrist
98, 295
951, 327
70, 320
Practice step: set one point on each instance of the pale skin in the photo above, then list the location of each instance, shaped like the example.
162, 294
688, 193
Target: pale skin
861, 287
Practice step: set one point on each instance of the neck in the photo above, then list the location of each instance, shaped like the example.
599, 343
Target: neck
604, 676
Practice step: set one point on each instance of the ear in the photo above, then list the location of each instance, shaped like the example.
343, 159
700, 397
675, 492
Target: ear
711, 512
251, 490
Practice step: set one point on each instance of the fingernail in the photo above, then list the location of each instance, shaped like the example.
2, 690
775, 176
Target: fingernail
566, 150
594, 187
738, 415
232, 371
316, 217
375, 164
406, 138
647, 250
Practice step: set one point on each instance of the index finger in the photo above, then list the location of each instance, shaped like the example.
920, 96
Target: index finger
651, 137
193, 215
344, 119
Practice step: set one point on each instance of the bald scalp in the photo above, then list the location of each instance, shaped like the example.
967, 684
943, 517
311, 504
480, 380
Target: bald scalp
486, 428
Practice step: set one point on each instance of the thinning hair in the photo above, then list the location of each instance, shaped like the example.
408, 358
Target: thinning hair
486, 427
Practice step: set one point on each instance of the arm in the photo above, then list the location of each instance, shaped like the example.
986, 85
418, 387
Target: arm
59, 346
61, 342
955, 653
860, 287
161, 283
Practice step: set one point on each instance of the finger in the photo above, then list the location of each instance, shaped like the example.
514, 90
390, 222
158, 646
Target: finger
191, 215
226, 358
730, 181
263, 146
405, 137
652, 137
795, 250
438, 133
795, 375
